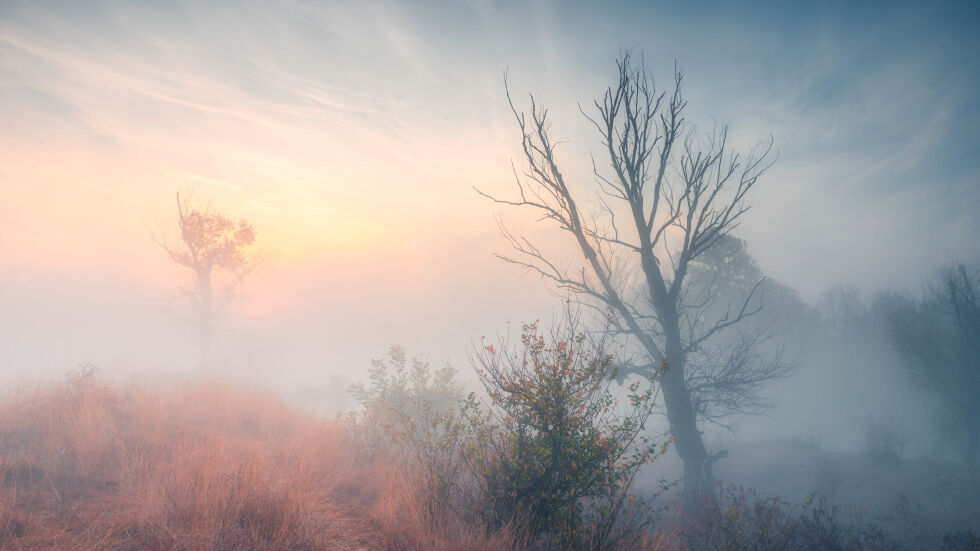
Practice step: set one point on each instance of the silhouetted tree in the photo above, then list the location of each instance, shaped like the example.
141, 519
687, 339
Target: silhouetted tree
938, 338
681, 193
212, 247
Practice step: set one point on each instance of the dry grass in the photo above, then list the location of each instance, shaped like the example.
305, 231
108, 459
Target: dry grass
84, 465
207, 466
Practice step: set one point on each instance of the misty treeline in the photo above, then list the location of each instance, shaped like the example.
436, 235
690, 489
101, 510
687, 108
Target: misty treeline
936, 335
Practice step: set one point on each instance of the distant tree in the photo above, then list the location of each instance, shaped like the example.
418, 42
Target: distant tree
938, 338
726, 273
727, 375
680, 193
845, 312
213, 248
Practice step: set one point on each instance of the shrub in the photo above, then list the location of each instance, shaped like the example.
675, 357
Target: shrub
829, 475
740, 519
411, 409
400, 395
884, 442
961, 541
554, 448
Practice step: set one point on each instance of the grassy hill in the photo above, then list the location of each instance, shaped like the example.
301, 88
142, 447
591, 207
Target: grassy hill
202, 466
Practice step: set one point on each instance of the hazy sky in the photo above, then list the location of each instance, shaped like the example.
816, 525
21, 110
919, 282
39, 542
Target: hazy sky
351, 135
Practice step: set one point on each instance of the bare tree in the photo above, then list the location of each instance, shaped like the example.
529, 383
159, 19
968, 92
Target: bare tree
938, 338
681, 193
212, 247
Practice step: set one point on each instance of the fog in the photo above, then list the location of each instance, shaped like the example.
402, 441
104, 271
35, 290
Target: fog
353, 137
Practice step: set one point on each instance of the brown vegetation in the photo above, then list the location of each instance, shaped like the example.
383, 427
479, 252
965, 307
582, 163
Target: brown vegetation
209, 466
202, 466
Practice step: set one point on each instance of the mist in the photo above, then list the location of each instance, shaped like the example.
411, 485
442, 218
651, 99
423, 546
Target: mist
364, 145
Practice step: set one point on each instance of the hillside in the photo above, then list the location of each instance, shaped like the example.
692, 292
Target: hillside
196, 466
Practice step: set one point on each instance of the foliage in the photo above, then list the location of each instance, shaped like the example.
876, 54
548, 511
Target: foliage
726, 274
554, 447
412, 406
402, 393
208, 466
212, 240
213, 248
884, 442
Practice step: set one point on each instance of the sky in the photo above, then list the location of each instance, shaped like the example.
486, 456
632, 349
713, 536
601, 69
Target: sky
352, 135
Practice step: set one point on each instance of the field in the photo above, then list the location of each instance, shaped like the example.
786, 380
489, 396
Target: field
201, 466
207, 465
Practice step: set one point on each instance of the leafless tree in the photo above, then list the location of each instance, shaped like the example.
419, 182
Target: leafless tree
681, 192
212, 247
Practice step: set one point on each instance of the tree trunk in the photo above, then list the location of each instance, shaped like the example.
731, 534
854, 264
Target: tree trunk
205, 316
687, 438
698, 481
972, 443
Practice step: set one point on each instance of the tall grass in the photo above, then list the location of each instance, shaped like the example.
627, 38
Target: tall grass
203, 466
212, 467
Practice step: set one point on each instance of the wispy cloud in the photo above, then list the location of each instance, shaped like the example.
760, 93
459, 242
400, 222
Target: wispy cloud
375, 115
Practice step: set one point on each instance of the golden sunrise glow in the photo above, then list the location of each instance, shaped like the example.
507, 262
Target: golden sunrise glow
351, 136
326, 171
